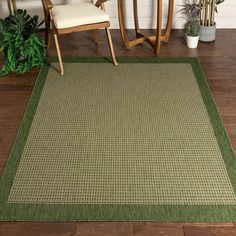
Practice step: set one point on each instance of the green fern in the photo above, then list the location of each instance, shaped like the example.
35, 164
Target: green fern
22, 47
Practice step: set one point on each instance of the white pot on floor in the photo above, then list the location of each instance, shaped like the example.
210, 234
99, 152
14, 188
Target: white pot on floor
192, 41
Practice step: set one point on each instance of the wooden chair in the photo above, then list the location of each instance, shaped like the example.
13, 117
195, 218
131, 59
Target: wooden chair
70, 18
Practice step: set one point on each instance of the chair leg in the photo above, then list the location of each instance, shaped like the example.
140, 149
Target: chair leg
58, 53
111, 46
47, 39
47, 32
95, 36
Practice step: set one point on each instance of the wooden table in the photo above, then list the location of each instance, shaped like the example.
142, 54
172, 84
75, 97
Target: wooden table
153, 40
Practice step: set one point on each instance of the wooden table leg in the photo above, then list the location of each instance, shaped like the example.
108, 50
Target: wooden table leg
136, 21
159, 27
153, 40
122, 23
169, 21
139, 38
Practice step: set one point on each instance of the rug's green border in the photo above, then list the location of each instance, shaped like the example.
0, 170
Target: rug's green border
70, 212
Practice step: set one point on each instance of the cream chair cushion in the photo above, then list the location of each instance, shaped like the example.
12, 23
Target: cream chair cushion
71, 15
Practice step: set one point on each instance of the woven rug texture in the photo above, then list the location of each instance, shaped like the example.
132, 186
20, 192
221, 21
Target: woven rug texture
135, 134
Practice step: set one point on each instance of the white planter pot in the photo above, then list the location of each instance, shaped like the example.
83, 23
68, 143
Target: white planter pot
192, 42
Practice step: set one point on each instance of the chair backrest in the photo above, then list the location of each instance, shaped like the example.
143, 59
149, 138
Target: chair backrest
47, 4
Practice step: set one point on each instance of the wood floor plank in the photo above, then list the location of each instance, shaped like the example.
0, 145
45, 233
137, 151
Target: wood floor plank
208, 224
37, 229
158, 229
104, 229
209, 231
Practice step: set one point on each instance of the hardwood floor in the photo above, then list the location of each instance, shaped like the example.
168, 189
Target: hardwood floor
218, 60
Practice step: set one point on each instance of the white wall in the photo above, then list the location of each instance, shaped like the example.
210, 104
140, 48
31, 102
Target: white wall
226, 18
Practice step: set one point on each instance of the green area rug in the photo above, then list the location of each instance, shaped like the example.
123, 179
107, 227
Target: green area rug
142, 141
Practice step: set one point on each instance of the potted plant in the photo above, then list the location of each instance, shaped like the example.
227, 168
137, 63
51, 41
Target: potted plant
23, 49
192, 34
207, 19
192, 11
